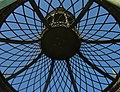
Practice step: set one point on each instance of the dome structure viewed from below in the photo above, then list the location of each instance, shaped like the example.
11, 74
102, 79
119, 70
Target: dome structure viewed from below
60, 46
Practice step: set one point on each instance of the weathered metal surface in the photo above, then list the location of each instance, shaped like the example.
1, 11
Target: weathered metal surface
4, 3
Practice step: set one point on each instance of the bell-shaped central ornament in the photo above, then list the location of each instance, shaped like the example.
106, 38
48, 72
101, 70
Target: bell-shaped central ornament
60, 42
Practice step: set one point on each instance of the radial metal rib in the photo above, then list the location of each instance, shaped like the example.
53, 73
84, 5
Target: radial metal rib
25, 68
82, 13
6, 40
114, 41
95, 67
38, 12
49, 76
71, 76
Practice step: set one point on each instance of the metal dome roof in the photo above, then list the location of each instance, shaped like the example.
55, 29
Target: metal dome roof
94, 68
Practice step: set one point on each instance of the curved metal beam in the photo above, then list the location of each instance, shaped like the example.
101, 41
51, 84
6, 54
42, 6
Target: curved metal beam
95, 67
17, 41
114, 86
23, 69
4, 3
71, 76
114, 41
4, 13
82, 13
49, 76
38, 12
5, 86
112, 6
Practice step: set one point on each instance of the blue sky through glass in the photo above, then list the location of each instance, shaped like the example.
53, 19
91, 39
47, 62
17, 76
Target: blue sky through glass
97, 24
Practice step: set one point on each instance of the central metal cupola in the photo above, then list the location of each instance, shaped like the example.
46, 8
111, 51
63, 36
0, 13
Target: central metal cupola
60, 42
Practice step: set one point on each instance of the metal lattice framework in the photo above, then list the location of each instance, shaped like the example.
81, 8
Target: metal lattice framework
24, 65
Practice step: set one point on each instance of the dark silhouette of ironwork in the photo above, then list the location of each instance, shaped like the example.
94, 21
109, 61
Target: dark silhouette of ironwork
91, 51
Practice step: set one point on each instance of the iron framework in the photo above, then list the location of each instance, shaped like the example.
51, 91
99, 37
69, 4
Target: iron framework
94, 68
